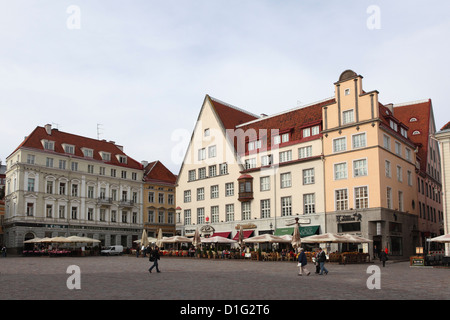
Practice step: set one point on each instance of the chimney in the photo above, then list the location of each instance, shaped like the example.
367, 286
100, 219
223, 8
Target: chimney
48, 128
144, 163
263, 115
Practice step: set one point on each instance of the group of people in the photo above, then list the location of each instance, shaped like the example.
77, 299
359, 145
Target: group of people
320, 258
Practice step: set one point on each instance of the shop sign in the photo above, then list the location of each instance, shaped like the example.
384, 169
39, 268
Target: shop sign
349, 217
417, 262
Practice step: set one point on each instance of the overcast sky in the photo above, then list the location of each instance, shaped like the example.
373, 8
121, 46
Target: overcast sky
142, 68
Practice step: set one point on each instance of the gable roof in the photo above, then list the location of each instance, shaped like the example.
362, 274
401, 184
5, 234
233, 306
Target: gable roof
420, 113
156, 172
34, 141
230, 115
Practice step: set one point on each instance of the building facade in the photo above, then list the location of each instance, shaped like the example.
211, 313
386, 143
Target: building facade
443, 136
159, 200
346, 164
61, 184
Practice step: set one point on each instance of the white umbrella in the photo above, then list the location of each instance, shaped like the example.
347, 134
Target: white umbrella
34, 240
356, 239
77, 239
266, 238
56, 240
442, 239
176, 239
326, 238
144, 238
241, 236
159, 238
196, 241
217, 239
149, 239
296, 240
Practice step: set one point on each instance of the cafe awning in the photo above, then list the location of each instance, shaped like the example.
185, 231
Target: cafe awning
305, 231
221, 234
247, 233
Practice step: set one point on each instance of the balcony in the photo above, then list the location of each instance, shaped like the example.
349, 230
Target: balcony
104, 201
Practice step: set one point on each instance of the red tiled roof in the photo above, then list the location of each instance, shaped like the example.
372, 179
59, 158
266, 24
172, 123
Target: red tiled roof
156, 172
33, 141
421, 112
446, 127
229, 115
292, 120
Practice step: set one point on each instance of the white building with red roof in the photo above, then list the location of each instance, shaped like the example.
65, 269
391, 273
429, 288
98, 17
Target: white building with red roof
62, 184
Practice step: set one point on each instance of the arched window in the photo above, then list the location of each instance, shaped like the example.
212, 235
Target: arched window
416, 132
413, 120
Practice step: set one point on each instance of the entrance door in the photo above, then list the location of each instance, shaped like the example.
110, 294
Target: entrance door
377, 246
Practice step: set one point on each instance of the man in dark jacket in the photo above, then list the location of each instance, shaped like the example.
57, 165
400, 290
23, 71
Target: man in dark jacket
302, 263
322, 259
154, 257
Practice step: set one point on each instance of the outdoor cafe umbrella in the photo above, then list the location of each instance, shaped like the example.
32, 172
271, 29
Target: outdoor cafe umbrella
296, 240
442, 239
175, 239
77, 239
34, 240
270, 238
326, 238
159, 238
241, 236
356, 239
56, 240
144, 238
218, 239
196, 241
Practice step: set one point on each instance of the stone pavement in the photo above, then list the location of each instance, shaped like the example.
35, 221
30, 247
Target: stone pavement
126, 277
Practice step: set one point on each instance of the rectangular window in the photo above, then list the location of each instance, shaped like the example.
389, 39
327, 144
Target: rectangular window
229, 189
90, 214
191, 175
48, 211
30, 184
74, 213
266, 160
308, 176
161, 199
400, 201
387, 168
229, 212
340, 171
49, 163
215, 214
74, 190
30, 159
309, 203
339, 144
223, 168
360, 168
341, 199
286, 180
212, 151
306, 132
214, 192
387, 142
74, 166
285, 156
62, 188
250, 163
359, 141
347, 117
286, 206
202, 173
315, 130
265, 183
398, 148
305, 152
30, 209
361, 198
201, 154
389, 197
151, 216
62, 212
62, 164
212, 171
246, 212
200, 215
187, 196
265, 208
49, 187
399, 174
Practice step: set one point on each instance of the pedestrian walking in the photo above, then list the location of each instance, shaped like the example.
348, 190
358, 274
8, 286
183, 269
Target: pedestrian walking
154, 257
322, 259
302, 262
376, 252
137, 252
383, 257
316, 262
3, 251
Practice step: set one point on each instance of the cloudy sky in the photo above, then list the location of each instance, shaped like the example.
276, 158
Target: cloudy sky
141, 68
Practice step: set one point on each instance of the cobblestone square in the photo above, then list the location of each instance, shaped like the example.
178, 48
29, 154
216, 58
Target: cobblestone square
127, 277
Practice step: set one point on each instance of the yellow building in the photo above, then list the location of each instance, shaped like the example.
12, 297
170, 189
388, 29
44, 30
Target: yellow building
159, 200
370, 169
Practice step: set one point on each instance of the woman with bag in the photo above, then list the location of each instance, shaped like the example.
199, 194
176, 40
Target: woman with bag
302, 262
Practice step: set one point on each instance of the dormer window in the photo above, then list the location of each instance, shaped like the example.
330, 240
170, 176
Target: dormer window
48, 145
393, 125
106, 156
88, 153
122, 159
404, 132
416, 132
69, 148
413, 120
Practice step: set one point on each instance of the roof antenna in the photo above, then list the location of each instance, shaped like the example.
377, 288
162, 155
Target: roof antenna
55, 125
98, 130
